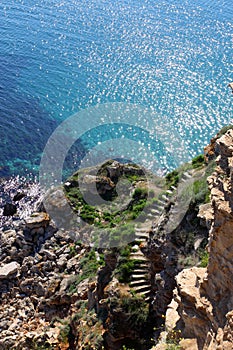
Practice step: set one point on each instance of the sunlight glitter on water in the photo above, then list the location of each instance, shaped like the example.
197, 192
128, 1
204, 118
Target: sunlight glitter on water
172, 56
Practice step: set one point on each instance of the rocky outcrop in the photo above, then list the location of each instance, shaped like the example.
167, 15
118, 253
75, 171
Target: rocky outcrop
204, 295
38, 266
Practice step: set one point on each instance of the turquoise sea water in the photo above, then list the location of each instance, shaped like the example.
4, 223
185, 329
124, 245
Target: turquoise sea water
58, 57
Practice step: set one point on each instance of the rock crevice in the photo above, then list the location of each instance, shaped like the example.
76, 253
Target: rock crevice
204, 295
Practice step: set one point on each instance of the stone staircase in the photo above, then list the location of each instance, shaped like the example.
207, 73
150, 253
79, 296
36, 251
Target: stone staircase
140, 282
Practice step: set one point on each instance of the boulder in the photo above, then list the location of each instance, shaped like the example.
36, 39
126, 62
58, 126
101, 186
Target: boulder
9, 209
205, 214
18, 196
37, 220
9, 269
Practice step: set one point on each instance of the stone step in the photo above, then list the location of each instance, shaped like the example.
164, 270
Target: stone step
161, 208
142, 282
142, 289
165, 197
146, 293
147, 298
187, 175
139, 252
141, 265
140, 229
142, 235
137, 256
155, 211
136, 246
175, 211
161, 202
141, 271
169, 192
138, 276
141, 232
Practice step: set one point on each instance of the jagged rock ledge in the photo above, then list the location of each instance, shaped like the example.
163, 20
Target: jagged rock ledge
203, 298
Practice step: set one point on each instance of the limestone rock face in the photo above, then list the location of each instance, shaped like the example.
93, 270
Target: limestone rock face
205, 295
206, 214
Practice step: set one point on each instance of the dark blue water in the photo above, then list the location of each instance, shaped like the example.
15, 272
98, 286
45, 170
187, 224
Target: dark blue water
58, 57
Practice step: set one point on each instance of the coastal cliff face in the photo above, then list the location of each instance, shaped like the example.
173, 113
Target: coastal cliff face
203, 297
58, 293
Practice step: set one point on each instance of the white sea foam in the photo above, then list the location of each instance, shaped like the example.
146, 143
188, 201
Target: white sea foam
26, 206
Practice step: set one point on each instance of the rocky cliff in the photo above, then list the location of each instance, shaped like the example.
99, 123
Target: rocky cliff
203, 299
59, 292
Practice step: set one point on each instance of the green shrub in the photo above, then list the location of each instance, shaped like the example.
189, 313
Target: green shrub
201, 191
125, 265
198, 161
173, 347
125, 252
64, 333
140, 193
125, 271
134, 307
137, 308
120, 236
173, 339
204, 258
172, 178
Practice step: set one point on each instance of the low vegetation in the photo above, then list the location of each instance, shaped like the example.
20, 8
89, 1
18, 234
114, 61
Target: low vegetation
134, 307
100, 215
172, 179
198, 161
224, 130
89, 265
89, 326
125, 265
204, 256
